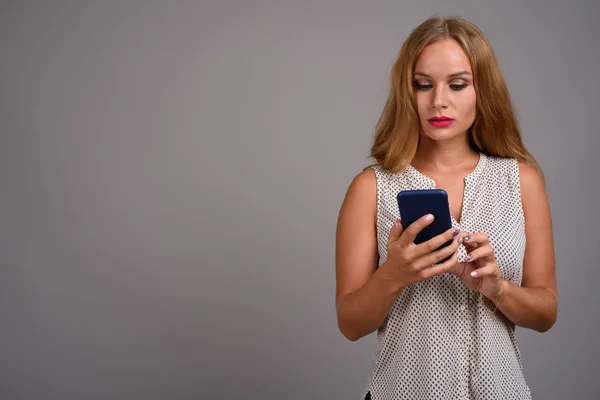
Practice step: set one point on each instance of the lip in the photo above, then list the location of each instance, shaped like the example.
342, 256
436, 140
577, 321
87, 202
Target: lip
441, 121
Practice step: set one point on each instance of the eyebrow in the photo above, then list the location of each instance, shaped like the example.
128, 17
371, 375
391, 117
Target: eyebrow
454, 75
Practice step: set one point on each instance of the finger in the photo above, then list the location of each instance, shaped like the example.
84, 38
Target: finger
460, 269
476, 239
437, 256
437, 242
488, 270
480, 253
395, 231
411, 231
439, 269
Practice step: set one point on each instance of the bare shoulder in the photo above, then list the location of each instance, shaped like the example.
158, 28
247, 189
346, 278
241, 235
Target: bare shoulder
359, 208
356, 237
533, 195
531, 180
364, 186
538, 263
533, 191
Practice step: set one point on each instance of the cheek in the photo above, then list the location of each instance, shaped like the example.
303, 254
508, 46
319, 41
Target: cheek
422, 102
468, 105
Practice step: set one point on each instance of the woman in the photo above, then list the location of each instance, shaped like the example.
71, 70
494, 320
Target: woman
446, 329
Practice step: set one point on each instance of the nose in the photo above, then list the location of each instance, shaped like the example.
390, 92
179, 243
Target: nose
440, 100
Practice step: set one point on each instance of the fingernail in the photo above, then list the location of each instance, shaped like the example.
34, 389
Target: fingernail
474, 273
459, 240
467, 238
398, 222
455, 232
429, 217
468, 257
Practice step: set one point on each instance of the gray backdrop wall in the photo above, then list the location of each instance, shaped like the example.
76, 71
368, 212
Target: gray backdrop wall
171, 173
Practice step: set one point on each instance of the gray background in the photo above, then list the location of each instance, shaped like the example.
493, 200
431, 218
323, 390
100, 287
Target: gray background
171, 174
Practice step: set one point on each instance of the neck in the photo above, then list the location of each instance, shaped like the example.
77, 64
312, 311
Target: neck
446, 156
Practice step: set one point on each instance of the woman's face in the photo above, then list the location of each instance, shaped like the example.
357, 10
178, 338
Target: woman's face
443, 90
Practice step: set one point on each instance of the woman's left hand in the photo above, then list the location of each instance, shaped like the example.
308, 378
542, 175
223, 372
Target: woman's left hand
480, 272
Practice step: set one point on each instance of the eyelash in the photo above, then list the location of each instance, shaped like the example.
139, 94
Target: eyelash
453, 86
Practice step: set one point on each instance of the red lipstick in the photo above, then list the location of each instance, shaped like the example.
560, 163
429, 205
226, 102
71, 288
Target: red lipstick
441, 121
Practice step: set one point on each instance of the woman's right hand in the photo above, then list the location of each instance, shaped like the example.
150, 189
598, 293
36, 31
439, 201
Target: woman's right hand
408, 263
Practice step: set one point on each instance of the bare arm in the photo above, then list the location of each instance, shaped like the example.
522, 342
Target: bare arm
534, 304
364, 293
364, 296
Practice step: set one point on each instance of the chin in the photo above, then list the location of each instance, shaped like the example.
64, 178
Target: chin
442, 135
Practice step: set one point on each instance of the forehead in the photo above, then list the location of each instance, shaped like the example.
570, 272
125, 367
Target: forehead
442, 58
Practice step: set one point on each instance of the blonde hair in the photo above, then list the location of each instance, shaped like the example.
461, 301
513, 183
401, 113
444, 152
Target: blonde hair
494, 132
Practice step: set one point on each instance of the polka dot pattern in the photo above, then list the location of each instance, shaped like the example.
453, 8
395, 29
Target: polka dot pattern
440, 339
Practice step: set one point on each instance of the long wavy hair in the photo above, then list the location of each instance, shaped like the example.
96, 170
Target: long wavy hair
494, 132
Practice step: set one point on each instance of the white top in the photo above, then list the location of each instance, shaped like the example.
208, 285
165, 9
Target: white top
440, 339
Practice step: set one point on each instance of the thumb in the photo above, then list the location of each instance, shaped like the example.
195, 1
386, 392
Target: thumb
395, 232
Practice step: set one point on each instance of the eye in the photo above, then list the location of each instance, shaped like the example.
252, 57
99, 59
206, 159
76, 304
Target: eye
422, 86
458, 86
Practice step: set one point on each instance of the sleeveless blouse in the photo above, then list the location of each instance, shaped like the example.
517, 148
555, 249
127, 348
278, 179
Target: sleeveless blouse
441, 340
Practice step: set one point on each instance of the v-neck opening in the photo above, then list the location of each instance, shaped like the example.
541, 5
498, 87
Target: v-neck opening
468, 181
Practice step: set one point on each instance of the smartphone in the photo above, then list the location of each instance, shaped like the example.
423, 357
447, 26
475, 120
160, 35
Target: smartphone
414, 204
